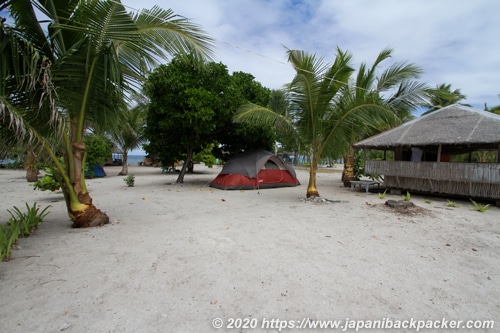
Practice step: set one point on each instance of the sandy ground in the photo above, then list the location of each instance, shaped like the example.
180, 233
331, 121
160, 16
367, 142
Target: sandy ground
177, 256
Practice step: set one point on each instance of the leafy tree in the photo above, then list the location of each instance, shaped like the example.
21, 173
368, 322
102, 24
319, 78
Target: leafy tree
191, 106
99, 148
92, 54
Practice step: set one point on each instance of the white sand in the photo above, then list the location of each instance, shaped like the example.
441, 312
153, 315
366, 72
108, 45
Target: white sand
177, 256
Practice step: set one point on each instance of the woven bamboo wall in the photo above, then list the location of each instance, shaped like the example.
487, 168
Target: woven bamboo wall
479, 180
468, 189
456, 172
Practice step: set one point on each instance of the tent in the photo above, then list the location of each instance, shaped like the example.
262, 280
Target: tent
97, 171
255, 169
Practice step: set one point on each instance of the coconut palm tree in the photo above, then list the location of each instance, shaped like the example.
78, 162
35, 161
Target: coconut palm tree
128, 133
73, 68
394, 90
315, 118
442, 96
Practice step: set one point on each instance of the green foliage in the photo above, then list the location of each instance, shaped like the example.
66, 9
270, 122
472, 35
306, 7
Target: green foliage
28, 220
21, 224
480, 207
8, 238
382, 195
451, 204
475, 157
99, 150
192, 103
443, 96
407, 196
427, 201
206, 156
47, 183
130, 180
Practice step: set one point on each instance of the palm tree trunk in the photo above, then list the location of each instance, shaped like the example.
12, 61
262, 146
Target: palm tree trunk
81, 210
312, 190
31, 170
348, 172
124, 171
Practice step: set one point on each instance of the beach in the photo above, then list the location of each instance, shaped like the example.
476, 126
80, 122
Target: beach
179, 257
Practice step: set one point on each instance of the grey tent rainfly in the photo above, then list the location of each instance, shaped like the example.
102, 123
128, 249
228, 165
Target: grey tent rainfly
255, 169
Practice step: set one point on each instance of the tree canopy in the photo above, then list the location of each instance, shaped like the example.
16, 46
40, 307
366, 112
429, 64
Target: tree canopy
192, 103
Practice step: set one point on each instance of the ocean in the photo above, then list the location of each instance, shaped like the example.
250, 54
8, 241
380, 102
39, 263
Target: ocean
135, 159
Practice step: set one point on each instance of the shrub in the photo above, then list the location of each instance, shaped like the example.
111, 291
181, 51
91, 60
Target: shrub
47, 183
130, 180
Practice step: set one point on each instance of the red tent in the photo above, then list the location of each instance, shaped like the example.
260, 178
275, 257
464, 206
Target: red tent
255, 169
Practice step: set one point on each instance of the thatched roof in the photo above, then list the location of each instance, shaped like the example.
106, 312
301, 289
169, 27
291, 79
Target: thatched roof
452, 125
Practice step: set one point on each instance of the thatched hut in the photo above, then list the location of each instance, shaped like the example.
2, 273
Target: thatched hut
434, 153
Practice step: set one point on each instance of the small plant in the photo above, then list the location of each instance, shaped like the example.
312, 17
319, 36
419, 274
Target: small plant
47, 183
20, 224
406, 197
382, 195
8, 238
129, 180
451, 204
28, 221
480, 207
427, 201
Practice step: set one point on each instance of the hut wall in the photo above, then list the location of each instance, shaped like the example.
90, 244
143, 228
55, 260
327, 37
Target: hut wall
480, 180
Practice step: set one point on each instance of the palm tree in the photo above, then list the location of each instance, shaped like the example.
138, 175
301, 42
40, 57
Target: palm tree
316, 119
129, 134
395, 90
59, 80
442, 96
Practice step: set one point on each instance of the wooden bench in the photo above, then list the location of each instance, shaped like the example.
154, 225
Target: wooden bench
365, 183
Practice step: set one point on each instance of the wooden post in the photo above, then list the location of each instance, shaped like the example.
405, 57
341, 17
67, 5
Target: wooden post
439, 153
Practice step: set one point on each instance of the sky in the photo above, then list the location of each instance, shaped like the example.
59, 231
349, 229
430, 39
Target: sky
454, 42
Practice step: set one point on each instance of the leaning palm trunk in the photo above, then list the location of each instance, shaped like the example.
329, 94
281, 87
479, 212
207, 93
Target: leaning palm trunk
79, 204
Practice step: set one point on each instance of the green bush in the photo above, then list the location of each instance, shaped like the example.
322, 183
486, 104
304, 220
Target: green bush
129, 180
99, 150
47, 183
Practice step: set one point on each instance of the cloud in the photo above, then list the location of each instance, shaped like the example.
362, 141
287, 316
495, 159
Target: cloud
455, 42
